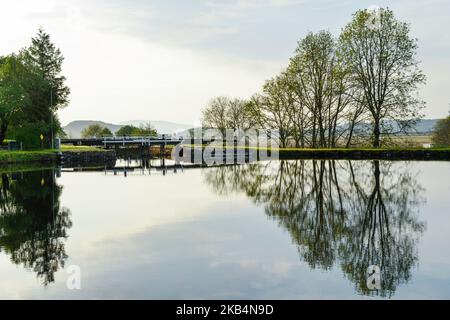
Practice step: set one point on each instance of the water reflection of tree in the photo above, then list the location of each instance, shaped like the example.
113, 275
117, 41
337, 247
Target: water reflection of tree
354, 214
32, 224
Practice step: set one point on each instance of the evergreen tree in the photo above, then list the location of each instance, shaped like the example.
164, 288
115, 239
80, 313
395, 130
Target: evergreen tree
43, 60
43, 55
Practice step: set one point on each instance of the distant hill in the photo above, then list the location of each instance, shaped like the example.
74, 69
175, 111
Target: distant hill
74, 128
160, 126
426, 125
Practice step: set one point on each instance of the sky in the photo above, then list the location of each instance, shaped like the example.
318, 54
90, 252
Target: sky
165, 59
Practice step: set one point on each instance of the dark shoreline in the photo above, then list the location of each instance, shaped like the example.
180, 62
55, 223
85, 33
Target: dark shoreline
368, 154
52, 157
393, 154
87, 157
107, 157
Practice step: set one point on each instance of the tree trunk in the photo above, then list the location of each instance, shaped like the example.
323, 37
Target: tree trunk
376, 134
350, 135
314, 144
3, 128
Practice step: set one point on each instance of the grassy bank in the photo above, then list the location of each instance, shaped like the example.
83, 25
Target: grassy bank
367, 153
86, 154
41, 156
70, 148
400, 153
350, 150
12, 157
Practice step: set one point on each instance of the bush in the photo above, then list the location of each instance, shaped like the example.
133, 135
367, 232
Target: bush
441, 135
29, 135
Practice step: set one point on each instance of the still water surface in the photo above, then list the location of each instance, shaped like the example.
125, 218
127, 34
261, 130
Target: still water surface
267, 230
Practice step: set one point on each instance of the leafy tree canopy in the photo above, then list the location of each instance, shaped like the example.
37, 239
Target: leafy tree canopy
143, 130
95, 131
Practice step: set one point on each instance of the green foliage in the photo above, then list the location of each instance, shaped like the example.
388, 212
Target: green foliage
143, 130
441, 135
29, 135
381, 57
125, 130
335, 90
96, 131
15, 157
14, 97
45, 57
31, 91
147, 130
227, 113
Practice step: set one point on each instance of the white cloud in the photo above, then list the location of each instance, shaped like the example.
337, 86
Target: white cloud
246, 4
165, 59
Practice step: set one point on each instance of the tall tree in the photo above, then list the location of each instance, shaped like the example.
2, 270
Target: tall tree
13, 96
383, 63
272, 109
48, 59
238, 115
214, 115
43, 56
314, 64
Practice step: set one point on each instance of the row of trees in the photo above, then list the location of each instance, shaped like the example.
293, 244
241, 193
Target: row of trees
32, 89
336, 91
98, 130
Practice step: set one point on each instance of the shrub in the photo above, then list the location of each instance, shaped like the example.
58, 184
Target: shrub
441, 135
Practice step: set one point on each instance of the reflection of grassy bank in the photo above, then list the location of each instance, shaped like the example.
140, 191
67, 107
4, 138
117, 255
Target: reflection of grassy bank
24, 167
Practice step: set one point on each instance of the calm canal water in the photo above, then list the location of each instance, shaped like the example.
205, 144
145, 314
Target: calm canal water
267, 230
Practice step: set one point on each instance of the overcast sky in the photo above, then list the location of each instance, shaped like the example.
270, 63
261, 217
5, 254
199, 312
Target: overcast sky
165, 59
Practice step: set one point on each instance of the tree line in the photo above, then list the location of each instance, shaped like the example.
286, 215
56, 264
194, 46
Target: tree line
97, 130
356, 89
32, 90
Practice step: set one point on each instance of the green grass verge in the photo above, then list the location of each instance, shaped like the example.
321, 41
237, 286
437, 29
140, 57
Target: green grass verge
7, 157
350, 150
71, 148
34, 156
399, 153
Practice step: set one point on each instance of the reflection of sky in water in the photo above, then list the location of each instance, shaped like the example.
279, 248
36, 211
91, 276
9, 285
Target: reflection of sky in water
172, 237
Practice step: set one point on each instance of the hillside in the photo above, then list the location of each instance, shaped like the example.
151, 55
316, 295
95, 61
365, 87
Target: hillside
74, 128
160, 126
